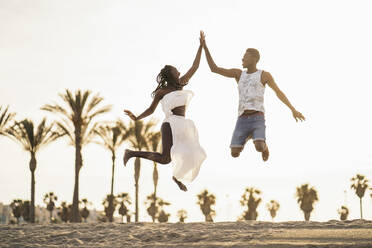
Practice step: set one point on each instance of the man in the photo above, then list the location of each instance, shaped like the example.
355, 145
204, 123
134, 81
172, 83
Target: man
251, 85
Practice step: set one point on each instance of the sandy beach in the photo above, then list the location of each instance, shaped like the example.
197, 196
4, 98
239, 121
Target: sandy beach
357, 233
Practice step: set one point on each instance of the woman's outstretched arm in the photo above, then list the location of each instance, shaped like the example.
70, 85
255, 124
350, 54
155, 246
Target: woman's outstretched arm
185, 78
148, 111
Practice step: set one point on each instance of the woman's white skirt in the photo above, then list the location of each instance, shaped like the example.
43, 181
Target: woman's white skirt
186, 153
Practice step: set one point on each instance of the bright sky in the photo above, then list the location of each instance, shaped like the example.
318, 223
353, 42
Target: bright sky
317, 51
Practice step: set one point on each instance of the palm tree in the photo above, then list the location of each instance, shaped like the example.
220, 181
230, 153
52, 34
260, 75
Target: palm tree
163, 216
85, 212
17, 207
306, 197
206, 200
65, 212
123, 210
32, 140
182, 215
112, 136
359, 184
139, 134
273, 206
344, 212
26, 208
109, 210
5, 118
153, 207
251, 200
154, 141
76, 122
49, 199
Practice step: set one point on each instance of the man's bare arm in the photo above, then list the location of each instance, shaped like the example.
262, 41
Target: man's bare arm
232, 73
269, 80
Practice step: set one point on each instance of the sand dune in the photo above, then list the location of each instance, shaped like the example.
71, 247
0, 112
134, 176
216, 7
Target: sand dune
355, 233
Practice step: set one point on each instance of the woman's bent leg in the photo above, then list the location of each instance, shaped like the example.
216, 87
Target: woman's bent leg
162, 158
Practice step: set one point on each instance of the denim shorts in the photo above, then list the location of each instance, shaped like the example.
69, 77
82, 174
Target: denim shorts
248, 127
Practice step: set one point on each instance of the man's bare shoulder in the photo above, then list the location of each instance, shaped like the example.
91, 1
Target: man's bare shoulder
266, 77
238, 73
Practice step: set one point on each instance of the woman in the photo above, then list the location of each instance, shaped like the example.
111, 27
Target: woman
180, 139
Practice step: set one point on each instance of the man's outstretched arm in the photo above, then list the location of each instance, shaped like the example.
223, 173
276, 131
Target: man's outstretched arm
269, 80
232, 73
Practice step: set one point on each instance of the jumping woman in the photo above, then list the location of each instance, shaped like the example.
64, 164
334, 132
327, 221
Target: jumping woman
180, 140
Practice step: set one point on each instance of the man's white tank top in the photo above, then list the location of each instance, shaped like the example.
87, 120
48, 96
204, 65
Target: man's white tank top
251, 92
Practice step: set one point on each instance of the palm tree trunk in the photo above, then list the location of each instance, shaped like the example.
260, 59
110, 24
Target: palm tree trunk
155, 177
361, 212
50, 216
32, 169
75, 217
111, 200
307, 216
137, 168
78, 164
113, 172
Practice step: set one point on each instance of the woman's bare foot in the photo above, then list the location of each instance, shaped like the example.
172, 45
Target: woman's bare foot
180, 185
265, 154
127, 156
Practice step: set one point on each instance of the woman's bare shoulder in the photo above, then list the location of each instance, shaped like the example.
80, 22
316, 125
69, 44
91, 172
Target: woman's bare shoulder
160, 93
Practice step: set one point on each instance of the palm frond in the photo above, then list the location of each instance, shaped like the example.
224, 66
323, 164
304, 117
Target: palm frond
108, 139
95, 100
32, 139
53, 135
79, 117
154, 140
100, 111
19, 135
149, 125
88, 135
65, 131
56, 109
41, 130
71, 101
139, 134
5, 118
85, 98
28, 128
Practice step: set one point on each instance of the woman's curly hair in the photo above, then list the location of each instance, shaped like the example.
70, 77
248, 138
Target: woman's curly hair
165, 77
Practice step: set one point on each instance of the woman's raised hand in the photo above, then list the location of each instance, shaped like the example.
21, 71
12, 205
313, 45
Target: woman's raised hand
130, 114
202, 38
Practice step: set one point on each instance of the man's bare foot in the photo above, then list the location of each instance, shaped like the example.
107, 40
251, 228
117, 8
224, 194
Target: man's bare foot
180, 185
265, 154
127, 156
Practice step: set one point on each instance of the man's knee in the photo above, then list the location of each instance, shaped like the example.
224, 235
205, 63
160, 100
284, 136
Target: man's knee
260, 145
235, 152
